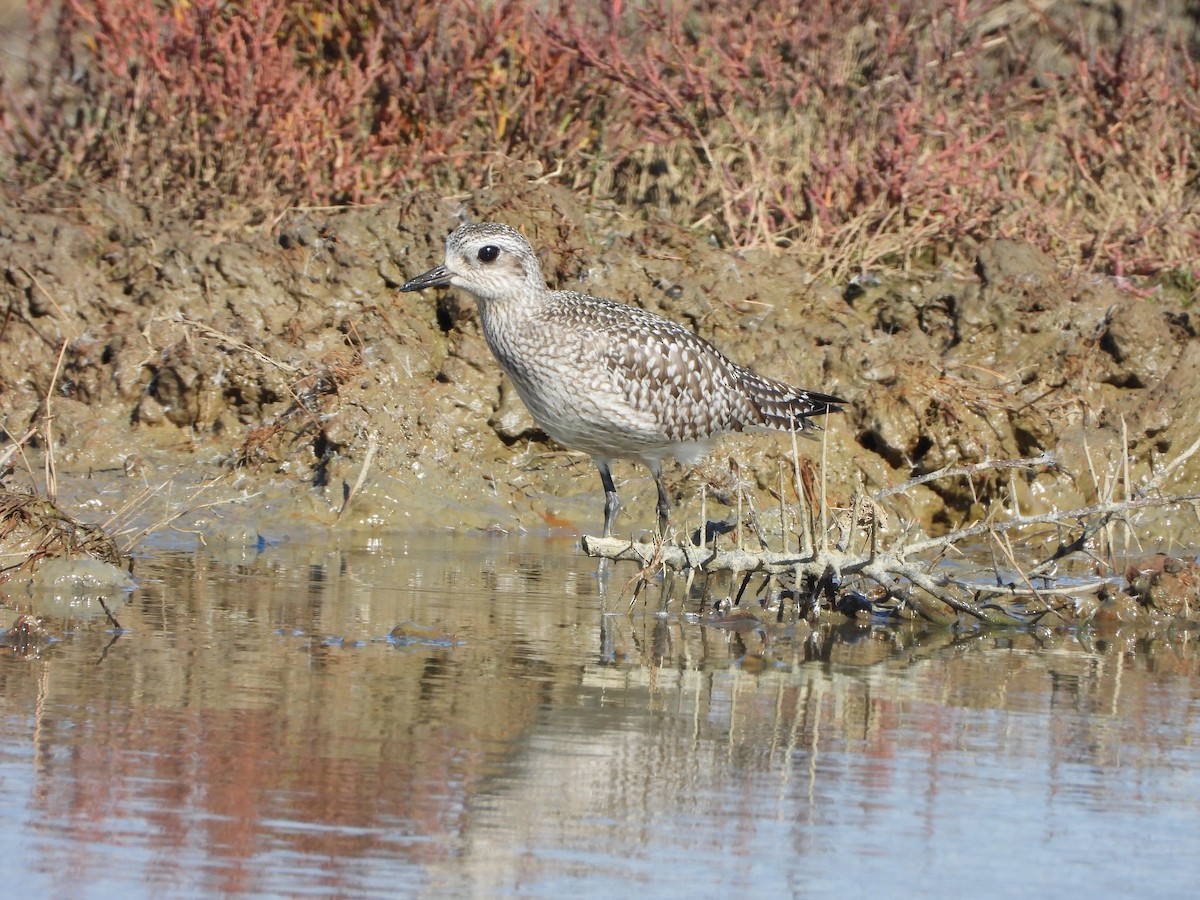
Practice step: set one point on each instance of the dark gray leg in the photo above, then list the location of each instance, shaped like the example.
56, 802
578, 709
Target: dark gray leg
664, 507
612, 503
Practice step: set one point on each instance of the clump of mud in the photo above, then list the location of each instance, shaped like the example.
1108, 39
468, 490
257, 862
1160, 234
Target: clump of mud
58, 565
33, 528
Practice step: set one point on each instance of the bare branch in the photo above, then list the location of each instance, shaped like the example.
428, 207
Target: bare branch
1032, 462
911, 568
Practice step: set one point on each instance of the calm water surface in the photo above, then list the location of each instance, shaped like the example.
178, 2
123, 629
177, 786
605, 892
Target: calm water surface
253, 731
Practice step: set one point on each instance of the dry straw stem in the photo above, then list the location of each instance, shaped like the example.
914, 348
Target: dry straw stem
124, 524
372, 449
9, 453
48, 427
908, 559
229, 341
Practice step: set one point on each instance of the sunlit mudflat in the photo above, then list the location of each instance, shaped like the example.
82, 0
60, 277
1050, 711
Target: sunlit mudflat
262, 726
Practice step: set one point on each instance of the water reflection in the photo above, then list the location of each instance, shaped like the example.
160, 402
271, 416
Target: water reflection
256, 731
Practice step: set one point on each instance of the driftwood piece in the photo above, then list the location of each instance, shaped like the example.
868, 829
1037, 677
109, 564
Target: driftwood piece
913, 560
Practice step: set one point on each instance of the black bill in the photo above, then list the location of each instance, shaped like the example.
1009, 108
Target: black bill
435, 277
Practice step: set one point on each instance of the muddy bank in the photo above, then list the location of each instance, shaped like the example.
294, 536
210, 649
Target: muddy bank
283, 351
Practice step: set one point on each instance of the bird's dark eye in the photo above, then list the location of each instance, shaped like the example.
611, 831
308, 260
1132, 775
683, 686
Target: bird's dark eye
488, 253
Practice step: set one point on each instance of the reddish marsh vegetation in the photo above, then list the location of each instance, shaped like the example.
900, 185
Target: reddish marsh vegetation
853, 133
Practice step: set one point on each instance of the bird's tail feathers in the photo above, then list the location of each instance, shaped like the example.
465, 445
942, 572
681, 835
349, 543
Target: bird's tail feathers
785, 408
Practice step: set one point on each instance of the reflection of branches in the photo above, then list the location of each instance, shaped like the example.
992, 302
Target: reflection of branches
908, 560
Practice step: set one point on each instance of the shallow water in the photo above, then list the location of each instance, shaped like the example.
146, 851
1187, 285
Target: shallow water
254, 730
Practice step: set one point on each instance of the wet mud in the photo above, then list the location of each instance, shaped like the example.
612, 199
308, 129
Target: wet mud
281, 356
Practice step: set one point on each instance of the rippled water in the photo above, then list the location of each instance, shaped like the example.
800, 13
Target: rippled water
254, 730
